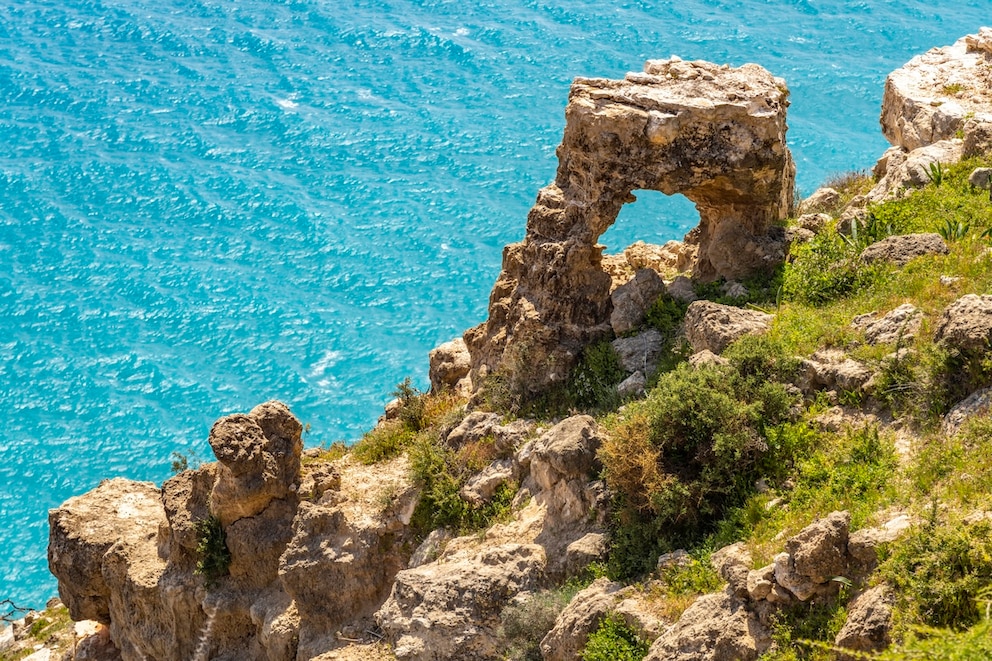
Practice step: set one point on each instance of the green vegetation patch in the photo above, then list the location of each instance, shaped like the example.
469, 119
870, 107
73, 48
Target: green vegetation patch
614, 641
213, 556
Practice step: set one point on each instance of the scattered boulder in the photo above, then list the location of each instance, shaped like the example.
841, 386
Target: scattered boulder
814, 222
581, 617
633, 385
673, 256
831, 369
641, 352
681, 289
821, 200
981, 178
713, 326
977, 403
898, 325
707, 357
966, 324
632, 300
716, 627
905, 171
902, 248
869, 621
449, 366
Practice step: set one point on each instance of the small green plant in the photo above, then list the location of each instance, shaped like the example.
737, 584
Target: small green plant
525, 622
953, 88
614, 641
954, 231
213, 556
935, 173
806, 631
593, 383
182, 460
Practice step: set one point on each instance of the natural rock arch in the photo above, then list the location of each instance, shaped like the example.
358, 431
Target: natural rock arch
712, 133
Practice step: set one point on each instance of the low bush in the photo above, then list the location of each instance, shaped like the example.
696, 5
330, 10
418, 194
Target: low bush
941, 571
524, 623
440, 472
614, 641
680, 460
213, 557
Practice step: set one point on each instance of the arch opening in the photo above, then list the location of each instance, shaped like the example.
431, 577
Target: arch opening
654, 218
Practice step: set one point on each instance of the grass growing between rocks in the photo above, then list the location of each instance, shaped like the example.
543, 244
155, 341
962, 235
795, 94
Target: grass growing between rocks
614, 641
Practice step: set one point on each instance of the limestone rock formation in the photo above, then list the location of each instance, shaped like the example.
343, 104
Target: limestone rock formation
939, 93
897, 325
449, 366
869, 620
579, 619
977, 403
902, 248
632, 300
126, 553
966, 324
831, 369
714, 326
712, 133
716, 627
899, 171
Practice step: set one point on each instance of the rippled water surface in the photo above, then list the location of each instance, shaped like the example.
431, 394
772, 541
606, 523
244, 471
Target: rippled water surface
207, 204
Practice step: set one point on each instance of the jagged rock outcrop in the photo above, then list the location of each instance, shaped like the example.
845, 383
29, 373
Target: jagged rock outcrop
712, 326
449, 607
713, 133
126, 553
580, 618
449, 366
940, 93
869, 620
899, 171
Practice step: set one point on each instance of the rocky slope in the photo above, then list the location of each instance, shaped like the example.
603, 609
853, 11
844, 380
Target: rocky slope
277, 553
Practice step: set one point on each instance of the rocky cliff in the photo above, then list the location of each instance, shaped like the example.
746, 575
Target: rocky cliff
768, 459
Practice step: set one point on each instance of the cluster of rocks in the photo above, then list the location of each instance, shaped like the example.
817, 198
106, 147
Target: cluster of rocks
823, 562
322, 557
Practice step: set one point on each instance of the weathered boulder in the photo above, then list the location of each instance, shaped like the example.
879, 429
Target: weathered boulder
981, 178
478, 425
716, 627
977, 403
733, 563
259, 455
449, 365
902, 248
814, 222
451, 609
566, 452
821, 200
915, 169
897, 325
831, 369
632, 300
966, 324
85, 528
939, 93
713, 326
580, 618
641, 352
869, 620
715, 134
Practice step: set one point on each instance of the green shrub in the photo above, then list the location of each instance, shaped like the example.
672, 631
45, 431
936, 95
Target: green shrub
679, 460
440, 472
973, 644
213, 557
614, 641
826, 268
940, 571
806, 631
524, 623
592, 385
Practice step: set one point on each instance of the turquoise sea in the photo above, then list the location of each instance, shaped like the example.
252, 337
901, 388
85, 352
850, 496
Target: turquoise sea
205, 204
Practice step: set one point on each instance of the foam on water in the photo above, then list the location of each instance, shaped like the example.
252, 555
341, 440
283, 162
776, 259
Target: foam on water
205, 204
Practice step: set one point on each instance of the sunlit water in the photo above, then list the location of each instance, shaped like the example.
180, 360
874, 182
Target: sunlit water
207, 204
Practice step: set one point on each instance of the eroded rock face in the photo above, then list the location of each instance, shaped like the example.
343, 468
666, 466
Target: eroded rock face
714, 134
717, 627
941, 92
119, 513
580, 618
897, 325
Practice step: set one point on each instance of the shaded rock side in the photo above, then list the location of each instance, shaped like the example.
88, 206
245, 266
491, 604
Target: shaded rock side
714, 134
902, 248
580, 618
